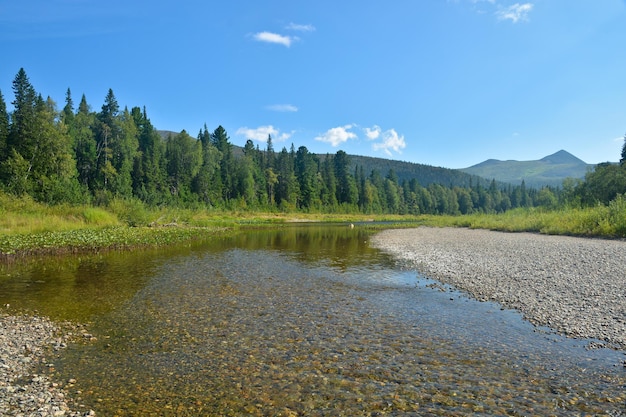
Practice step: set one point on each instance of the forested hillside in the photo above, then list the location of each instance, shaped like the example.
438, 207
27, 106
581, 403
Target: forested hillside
78, 155
425, 174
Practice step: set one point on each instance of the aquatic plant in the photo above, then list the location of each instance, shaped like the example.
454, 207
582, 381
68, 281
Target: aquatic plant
118, 237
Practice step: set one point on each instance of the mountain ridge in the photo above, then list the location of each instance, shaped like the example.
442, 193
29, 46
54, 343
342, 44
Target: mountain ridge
550, 170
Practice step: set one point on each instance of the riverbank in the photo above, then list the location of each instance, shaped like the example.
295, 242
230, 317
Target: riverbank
575, 286
24, 343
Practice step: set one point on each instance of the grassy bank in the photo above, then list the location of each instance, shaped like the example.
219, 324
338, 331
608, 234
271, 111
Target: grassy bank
27, 227
600, 221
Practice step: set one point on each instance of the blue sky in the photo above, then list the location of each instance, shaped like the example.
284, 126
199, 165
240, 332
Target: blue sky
441, 82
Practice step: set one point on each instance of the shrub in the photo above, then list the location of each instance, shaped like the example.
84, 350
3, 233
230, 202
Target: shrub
617, 215
130, 211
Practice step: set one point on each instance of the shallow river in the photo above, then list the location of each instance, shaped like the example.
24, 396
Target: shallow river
303, 320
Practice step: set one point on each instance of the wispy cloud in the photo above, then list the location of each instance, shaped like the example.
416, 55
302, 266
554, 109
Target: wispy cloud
286, 40
270, 37
515, 13
300, 28
261, 133
337, 135
390, 140
283, 108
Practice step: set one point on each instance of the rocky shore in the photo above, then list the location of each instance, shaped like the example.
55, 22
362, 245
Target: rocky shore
24, 343
576, 286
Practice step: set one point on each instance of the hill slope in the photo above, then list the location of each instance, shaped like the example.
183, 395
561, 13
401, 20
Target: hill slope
550, 170
424, 174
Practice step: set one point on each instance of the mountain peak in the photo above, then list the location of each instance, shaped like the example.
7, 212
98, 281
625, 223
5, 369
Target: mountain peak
562, 157
550, 170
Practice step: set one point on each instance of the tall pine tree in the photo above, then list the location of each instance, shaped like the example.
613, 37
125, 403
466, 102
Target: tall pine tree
4, 128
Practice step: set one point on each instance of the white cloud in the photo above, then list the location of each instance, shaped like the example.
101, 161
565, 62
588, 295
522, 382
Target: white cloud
390, 141
337, 135
270, 37
282, 108
515, 13
372, 133
300, 28
261, 133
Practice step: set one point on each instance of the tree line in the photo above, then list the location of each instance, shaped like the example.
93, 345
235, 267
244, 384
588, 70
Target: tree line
76, 155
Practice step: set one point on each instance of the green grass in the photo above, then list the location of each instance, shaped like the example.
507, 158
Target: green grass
600, 221
28, 227
23, 215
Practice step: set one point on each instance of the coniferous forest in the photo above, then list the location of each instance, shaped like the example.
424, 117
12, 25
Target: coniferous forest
77, 155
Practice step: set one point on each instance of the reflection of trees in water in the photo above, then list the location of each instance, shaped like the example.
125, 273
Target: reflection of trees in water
340, 244
76, 287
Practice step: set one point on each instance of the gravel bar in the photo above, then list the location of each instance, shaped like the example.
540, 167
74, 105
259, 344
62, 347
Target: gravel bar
24, 342
575, 286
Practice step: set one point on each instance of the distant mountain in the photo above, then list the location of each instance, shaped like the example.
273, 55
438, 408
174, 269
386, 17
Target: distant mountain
167, 133
550, 170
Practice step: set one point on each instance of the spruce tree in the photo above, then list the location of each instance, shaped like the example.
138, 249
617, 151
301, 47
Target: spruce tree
84, 144
346, 185
306, 170
4, 128
622, 161
21, 144
207, 183
269, 151
124, 152
220, 139
67, 115
21, 136
149, 175
107, 132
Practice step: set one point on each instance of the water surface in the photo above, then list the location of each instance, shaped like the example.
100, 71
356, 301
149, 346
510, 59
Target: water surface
302, 320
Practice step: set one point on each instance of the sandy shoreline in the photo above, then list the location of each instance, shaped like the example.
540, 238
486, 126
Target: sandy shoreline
576, 286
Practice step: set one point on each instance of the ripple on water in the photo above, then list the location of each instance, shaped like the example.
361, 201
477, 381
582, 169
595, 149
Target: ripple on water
256, 332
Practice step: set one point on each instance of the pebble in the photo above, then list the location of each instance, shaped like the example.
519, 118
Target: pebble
23, 342
573, 285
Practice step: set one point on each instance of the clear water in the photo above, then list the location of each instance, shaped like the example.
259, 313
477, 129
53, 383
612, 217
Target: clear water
302, 320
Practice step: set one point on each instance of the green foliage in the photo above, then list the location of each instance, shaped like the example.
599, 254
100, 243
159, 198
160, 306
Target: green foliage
603, 184
617, 215
130, 211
